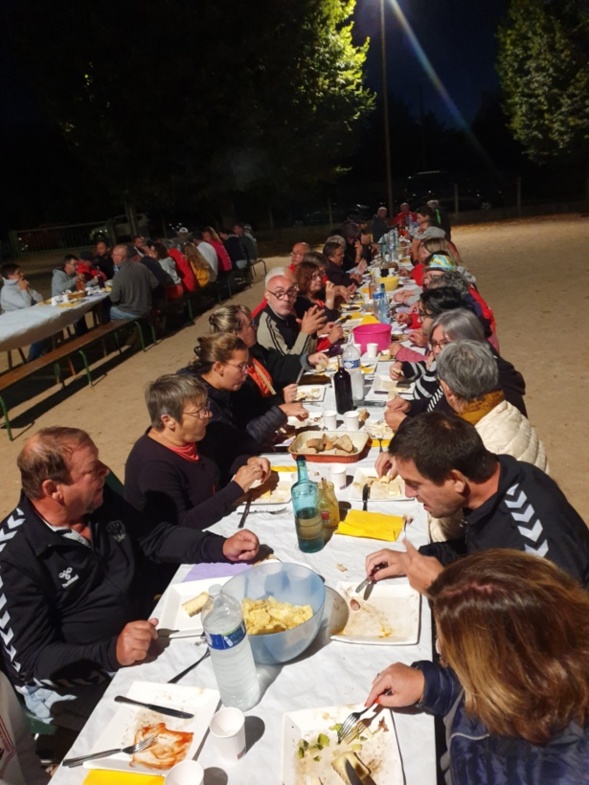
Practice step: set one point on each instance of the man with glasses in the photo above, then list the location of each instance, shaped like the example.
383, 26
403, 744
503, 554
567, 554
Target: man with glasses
278, 327
75, 565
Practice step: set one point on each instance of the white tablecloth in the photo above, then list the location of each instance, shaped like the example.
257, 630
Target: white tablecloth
28, 325
331, 673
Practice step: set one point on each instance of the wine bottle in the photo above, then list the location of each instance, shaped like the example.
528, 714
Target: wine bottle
342, 384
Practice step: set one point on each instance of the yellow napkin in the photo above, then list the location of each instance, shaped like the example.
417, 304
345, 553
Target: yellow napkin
284, 468
370, 320
104, 777
374, 525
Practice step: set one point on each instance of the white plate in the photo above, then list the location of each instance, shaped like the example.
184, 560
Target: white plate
380, 750
278, 495
173, 617
390, 616
379, 491
311, 392
120, 731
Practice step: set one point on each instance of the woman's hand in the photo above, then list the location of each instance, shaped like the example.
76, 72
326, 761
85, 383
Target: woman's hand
330, 294
403, 317
256, 469
418, 338
318, 358
405, 684
335, 334
294, 410
289, 393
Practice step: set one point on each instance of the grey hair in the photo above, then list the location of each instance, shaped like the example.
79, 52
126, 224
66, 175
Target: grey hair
170, 394
450, 278
468, 368
226, 318
336, 238
460, 325
283, 272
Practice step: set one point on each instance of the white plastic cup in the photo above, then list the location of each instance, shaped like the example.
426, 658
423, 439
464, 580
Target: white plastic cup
189, 772
338, 476
372, 350
352, 421
228, 730
330, 420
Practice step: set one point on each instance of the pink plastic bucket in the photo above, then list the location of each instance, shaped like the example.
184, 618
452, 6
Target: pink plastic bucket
373, 333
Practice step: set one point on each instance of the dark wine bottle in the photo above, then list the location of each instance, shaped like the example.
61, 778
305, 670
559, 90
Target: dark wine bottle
342, 384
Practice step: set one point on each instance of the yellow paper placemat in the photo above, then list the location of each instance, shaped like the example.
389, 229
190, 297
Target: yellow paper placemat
104, 777
284, 468
370, 320
374, 525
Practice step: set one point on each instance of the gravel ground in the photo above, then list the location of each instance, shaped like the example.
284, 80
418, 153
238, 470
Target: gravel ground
532, 272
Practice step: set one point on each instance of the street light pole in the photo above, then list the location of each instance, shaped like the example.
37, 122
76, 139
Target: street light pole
385, 90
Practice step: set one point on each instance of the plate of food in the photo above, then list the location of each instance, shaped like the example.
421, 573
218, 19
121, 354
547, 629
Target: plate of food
310, 392
390, 615
382, 489
182, 604
276, 490
176, 739
311, 753
378, 429
329, 446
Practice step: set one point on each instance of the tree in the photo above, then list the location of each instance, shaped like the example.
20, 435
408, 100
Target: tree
544, 71
176, 101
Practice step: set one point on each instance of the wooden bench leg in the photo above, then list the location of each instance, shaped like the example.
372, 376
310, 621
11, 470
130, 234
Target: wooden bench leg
139, 331
82, 354
6, 419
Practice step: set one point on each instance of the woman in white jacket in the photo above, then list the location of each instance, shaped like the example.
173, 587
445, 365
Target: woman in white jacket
467, 372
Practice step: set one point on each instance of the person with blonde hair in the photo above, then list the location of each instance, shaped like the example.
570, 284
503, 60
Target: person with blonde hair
513, 681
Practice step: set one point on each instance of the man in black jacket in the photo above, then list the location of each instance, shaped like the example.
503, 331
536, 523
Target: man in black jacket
505, 503
73, 562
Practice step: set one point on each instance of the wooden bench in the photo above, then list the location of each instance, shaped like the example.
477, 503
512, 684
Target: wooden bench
65, 351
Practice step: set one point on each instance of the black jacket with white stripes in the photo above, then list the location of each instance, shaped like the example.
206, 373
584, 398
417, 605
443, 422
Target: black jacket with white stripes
63, 603
528, 513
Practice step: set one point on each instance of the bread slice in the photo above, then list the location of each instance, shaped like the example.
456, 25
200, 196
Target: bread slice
345, 443
196, 604
169, 748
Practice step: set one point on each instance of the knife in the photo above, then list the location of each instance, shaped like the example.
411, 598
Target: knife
154, 707
365, 496
370, 580
356, 779
245, 513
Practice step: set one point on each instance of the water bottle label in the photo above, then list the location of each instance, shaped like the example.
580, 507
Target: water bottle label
227, 641
351, 365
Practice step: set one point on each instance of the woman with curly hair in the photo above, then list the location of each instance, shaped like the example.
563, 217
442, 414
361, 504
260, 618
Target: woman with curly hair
513, 681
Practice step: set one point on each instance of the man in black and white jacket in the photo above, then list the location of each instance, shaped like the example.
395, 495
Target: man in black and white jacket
74, 565
505, 503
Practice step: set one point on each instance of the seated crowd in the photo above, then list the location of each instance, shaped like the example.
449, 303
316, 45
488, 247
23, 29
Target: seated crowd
508, 552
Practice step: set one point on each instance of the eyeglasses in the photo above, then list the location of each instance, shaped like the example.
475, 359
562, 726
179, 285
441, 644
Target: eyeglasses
282, 294
439, 344
202, 413
240, 366
247, 324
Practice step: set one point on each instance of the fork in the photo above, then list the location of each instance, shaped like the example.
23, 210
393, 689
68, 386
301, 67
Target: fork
130, 750
354, 722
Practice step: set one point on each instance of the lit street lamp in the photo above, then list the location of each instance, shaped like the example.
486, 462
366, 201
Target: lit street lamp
387, 135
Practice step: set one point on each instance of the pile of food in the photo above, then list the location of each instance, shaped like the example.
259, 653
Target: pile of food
339, 445
76, 295
263, 617
169, 748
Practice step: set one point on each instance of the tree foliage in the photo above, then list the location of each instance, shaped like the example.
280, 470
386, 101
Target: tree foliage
172, 99
543, 66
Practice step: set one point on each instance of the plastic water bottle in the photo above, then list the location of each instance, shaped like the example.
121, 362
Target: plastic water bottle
384, 310
351, 360
231, 653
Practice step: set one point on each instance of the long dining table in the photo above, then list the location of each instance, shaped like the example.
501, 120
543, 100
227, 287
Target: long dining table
330, 673
28, 325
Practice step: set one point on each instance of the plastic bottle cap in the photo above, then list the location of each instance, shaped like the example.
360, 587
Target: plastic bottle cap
215, 589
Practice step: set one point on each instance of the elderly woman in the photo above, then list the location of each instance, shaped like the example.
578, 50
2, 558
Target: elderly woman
221, 364
513, 681
309, 279
165, 472
453, 325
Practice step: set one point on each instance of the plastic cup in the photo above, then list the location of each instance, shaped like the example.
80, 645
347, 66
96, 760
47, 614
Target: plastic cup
338, 476
228, 730
330, 420
189, 772
352, 421
372, 350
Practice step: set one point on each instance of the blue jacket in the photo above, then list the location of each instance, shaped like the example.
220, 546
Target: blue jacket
475, 757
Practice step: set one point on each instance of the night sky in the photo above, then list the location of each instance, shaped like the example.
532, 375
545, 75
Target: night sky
458, 37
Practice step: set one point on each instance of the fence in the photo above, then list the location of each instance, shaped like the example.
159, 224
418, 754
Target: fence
52, 237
